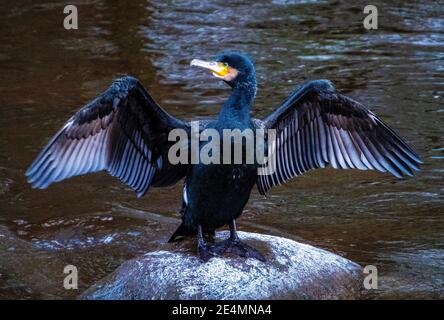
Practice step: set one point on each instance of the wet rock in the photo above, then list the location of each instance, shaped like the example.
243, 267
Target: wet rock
292, 271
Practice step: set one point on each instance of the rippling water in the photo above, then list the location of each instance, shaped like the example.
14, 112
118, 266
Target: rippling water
95, 223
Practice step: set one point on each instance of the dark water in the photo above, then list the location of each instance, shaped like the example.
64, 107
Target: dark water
95, 223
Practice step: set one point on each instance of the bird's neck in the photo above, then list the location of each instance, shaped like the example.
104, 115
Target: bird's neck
237, 108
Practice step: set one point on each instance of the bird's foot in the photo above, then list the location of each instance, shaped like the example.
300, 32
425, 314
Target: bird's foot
236, 247
210, 237
206, 251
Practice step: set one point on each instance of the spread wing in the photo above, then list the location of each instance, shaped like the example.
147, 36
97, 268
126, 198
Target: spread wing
123, 131
317, 126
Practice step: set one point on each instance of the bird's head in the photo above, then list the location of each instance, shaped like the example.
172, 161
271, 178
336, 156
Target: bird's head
234, 68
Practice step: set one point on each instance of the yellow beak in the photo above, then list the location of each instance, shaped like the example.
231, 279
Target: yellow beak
219, 69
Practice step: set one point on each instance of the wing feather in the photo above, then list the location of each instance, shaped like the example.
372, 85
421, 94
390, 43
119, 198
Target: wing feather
123, 131
317, 126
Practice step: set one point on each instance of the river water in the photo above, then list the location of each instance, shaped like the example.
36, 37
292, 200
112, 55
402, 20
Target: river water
96, 223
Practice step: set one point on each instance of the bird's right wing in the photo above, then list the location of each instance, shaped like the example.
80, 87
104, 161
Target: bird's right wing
122, 131
317, 126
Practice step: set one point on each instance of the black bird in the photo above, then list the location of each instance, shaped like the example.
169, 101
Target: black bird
125, 132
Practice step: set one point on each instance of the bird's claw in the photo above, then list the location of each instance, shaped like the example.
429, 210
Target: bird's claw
206, 252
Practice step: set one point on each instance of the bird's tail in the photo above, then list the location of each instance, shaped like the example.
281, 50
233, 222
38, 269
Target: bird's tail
181, 233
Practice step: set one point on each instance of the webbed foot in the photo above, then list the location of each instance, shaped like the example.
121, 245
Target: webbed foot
206, 250
236, 247
232, 245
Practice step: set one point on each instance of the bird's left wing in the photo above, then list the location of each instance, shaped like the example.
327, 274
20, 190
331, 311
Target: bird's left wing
123, 131
317, 126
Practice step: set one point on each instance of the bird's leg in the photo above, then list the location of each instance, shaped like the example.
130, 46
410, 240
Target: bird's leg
210, 236
234, 246
206, 251
233, 231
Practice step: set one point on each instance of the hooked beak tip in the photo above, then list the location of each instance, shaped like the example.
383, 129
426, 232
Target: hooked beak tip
217, 68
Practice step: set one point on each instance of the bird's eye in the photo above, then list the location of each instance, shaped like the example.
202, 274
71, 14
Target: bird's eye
225, 64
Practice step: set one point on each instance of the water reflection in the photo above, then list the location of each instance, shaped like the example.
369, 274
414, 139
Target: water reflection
96, 223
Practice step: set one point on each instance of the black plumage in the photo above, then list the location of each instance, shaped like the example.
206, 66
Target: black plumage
125, 132
317, 126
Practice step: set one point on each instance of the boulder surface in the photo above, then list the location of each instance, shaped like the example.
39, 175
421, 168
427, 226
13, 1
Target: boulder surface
292, 271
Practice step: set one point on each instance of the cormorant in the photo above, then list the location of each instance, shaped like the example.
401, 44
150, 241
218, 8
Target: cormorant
125, 132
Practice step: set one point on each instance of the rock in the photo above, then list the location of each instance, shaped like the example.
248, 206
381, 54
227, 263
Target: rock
292, 271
